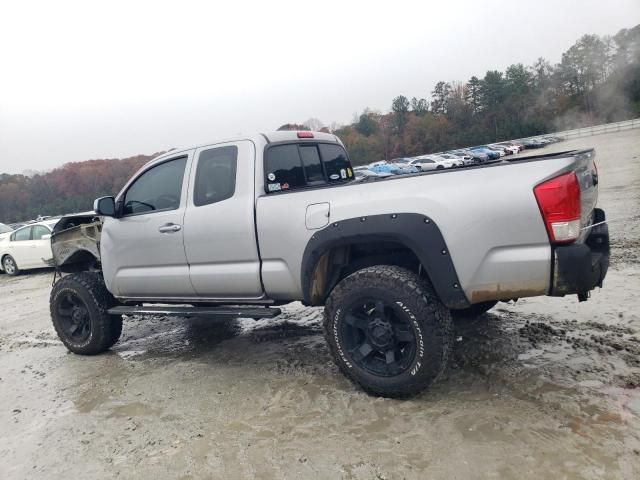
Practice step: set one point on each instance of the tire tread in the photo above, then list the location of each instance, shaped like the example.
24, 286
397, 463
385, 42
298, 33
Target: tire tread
109, 326
427, 307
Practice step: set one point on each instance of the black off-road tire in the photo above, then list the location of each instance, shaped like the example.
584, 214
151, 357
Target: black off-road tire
474, 310
413, 301
88, 290
15, 271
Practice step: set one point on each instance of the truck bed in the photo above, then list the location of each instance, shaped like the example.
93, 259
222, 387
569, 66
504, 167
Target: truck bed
487, 214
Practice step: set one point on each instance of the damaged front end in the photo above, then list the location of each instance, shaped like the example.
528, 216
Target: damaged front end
75, 243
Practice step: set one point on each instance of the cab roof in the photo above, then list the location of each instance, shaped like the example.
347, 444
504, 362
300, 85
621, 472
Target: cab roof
260, 138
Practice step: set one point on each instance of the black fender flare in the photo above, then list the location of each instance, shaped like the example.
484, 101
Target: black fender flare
417, 232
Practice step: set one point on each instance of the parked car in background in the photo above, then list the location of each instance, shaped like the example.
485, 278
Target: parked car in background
404, 165
373, 164
27, 247
491, 154
15, 226
519, 146
532, 143
501, 150
362, 173
478, 157
462, 154
509, 149
440, 157
431, 162
5, 230
385, 168
460, 160
456, 161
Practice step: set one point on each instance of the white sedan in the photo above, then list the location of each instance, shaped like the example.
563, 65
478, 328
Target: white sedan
27, 247
431, 162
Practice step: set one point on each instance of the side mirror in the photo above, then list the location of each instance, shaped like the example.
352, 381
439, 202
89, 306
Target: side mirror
45, 237
105, 207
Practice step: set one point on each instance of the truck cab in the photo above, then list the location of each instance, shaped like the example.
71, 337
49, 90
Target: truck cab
184, 226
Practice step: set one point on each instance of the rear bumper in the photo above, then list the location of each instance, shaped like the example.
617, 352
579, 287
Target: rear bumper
581, 267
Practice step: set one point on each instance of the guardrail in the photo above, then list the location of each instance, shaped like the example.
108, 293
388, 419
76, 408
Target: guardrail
585, 131
599, 129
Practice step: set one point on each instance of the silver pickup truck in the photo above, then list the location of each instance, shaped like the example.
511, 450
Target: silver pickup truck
238, 227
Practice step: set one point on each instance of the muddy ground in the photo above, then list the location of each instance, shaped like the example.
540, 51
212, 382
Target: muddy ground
544, 388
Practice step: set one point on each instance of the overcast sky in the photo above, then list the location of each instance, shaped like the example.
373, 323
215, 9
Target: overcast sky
80, 81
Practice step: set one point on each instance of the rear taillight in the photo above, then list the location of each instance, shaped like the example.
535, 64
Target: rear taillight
559, 202
305, 134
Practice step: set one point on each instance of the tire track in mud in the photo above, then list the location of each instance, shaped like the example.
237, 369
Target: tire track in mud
518, 350
16, 341
589, 338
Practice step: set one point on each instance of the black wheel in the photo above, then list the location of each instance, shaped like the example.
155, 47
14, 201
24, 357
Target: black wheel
79, 305
10, 266
474, 310
439, 167
388, 331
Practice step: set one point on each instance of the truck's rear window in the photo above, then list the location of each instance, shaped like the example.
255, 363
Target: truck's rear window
336, 162
311, 163
293, 166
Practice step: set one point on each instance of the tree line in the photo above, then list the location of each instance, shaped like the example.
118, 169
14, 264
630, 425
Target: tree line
597, 81
68, 189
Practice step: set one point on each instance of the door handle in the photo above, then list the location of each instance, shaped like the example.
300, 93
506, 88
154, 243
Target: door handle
169, 228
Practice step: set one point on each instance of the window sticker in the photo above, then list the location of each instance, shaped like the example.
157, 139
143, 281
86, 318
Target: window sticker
274, 187
271, 177
343, 173
335, 176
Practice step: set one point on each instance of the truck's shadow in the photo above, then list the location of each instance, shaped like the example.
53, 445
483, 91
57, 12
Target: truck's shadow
201, 337
480, 343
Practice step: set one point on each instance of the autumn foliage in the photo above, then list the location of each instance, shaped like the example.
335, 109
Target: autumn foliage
597, 81
70, 188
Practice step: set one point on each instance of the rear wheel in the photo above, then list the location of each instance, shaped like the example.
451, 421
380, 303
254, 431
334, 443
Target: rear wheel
10, 266
79, 305
388, 331
474, 310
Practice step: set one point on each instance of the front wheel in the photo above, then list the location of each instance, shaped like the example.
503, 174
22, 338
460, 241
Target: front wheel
387, 331
10, 266
79, 305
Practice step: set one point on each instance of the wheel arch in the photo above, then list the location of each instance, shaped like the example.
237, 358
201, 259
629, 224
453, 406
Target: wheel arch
80, 261
409, 240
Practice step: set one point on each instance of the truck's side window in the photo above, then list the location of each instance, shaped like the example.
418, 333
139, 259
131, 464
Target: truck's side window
157, 189
284, 168
335, 162
215, 175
